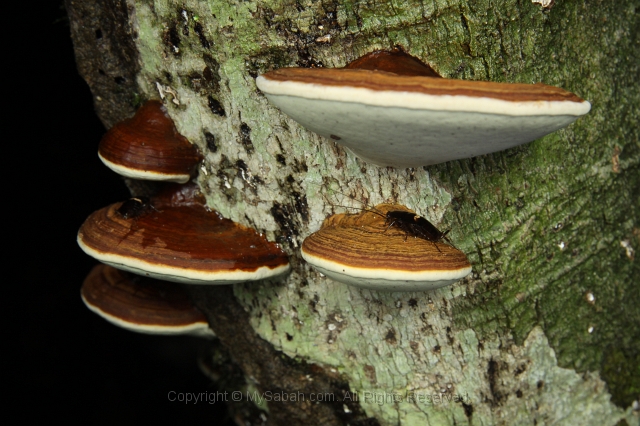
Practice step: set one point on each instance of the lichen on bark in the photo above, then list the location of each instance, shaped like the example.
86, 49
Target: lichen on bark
546, 327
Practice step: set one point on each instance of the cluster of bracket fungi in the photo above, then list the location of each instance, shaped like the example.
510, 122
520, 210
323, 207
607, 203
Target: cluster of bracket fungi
387, 107
169, 238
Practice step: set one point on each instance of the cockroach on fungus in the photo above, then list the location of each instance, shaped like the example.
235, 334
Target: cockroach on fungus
414, 225
411, 223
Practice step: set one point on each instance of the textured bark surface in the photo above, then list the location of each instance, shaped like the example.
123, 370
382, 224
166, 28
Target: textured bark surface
545, 330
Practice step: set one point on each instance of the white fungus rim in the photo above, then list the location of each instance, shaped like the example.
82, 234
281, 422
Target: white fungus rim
385, 273
145, 174
420, 101
181, 275
198, 328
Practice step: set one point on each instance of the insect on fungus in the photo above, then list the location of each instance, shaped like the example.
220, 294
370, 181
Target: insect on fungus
372, 250
416, 226
410, 223
135, 207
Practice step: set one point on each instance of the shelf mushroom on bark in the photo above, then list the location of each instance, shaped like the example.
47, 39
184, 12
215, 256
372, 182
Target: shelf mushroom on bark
143, 305
363, 250
174, 237
390, 110
149, 147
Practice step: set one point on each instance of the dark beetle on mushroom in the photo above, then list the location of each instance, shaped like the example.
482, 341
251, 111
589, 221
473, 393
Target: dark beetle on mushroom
411, 224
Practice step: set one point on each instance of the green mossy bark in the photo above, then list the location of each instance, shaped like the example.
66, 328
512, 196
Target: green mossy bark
550, 313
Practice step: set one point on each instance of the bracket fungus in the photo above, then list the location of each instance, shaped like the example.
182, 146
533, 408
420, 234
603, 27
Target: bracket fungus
149, 147
143, 305
391, 109
365, 251
174, 237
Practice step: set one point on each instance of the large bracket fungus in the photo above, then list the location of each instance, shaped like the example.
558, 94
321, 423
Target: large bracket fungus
143, 305
149, 147
174, 237
391, 111
364, 251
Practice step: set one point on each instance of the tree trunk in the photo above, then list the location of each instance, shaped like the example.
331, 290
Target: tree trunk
547, 327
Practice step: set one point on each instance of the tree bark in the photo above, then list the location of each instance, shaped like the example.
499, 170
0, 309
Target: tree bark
547, 327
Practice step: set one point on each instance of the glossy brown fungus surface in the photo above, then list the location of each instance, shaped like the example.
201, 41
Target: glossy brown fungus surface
176, 238
394, 61
148, 146
141, 304
363, 250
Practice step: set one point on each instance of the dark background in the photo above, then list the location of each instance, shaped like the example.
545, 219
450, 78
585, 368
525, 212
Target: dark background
62, 360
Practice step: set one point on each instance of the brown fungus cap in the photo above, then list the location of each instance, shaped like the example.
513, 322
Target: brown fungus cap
362, 250
391, 109
143, 305
149, 147
174, 237
394, 61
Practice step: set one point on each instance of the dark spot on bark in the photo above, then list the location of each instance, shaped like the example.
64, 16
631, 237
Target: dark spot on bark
391, 337
450, 336
215, 106
480, 345
521, 369
300, 202
413, 303
313, 302
245, 138
468, 410
98, 34
436, 349
493, 376
289, 337
300, 166
285, 220
242, 168
370, 372
466, 43
208, 75
540, 384
119, 80
211, 72
185, 22
519, 393
171, 38
305, 60
280, 159
211, 141
335, 138
200, 31
415, 347
101, 72
168, 76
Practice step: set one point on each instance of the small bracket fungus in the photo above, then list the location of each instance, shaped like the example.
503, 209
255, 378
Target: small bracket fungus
174, 237
365, 251
143, 305
149, 147
392, 110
